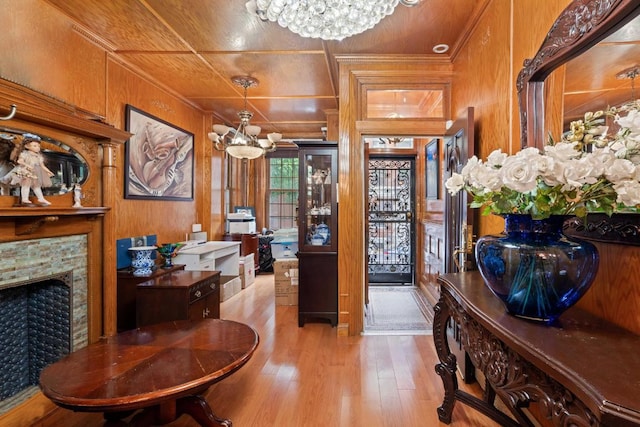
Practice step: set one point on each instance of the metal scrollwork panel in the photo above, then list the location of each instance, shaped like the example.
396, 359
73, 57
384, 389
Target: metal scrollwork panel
389, 215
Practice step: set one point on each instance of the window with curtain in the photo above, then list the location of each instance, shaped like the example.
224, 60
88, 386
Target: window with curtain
283, 192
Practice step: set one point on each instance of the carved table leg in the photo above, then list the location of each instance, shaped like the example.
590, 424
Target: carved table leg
447, 366
199, 409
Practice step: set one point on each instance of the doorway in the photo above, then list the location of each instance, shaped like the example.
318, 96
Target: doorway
390, 231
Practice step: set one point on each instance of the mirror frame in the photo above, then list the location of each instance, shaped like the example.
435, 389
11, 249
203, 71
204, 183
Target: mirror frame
579, 27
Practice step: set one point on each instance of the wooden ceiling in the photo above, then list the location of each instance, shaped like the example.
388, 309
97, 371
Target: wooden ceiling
194, 47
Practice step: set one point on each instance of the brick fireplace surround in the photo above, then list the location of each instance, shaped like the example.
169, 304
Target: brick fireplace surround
35, 263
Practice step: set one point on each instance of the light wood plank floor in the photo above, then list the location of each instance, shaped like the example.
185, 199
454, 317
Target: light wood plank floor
311, 377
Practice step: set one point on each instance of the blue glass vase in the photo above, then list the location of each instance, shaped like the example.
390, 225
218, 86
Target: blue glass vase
534, 269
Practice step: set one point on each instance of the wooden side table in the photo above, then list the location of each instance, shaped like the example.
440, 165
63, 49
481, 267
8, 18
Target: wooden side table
178, 295
162, 369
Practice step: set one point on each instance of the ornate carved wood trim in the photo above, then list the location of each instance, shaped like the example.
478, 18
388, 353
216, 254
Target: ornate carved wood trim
619, 228
515, 380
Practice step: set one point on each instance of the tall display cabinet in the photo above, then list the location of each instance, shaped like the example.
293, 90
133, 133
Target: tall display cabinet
318, 232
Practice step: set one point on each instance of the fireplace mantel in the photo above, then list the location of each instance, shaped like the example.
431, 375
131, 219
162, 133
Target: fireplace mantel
98, 143
28, 220
49, 211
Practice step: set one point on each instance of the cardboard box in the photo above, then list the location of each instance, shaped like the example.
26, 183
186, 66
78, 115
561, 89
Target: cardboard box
286, 281
247, 271
284, 250
290, 298
282, 267
229, 286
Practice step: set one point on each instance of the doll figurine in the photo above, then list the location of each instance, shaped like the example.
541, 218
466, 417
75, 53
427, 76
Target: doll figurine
30, 172
77, 196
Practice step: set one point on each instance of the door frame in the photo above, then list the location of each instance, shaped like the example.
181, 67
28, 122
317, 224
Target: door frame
358, 291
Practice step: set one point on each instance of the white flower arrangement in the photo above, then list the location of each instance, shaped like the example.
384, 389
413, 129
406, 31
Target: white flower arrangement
586, 171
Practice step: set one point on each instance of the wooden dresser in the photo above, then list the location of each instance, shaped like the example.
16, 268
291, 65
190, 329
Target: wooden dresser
127, 286
178, 295
582, 370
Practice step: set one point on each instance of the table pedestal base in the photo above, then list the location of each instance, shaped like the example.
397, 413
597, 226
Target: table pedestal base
167, 412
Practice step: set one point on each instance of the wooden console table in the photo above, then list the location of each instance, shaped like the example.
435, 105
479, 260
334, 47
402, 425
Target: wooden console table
162, 369
580, 371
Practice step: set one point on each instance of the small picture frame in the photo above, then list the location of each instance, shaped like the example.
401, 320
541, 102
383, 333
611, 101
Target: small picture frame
432, 169
158, 160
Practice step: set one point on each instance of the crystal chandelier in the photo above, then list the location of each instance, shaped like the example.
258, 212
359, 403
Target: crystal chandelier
244, 144
326, 19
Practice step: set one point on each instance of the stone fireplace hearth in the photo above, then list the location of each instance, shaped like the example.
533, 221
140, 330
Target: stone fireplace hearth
40, 271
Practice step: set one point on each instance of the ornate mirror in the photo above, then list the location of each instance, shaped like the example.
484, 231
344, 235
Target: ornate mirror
575, 71
582, 25
66, 164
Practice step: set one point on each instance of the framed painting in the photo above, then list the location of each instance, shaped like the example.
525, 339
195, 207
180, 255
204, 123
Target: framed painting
158, 159
432, 162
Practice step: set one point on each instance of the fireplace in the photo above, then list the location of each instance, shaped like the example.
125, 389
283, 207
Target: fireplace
43, 310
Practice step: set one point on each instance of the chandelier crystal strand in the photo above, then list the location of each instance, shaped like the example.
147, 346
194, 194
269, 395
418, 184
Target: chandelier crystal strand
327, 19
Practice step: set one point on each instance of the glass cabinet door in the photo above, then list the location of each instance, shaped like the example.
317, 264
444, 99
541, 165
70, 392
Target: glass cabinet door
319, 218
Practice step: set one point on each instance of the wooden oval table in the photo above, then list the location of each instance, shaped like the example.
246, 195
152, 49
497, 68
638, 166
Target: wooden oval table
162, 369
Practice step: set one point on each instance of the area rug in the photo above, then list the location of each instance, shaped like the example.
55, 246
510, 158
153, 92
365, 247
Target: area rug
397, 310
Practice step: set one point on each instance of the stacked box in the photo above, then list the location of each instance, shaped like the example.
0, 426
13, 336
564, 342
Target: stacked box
247, 270
229, 286
285, 273
284, 249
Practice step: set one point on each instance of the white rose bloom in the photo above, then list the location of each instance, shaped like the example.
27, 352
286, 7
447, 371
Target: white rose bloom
554, 172
572, 175
628, 192
454, 184
472, 163
475, 176
519, 174
528, 153
586, 170
488, 178
546, 166
562, 151
631, 120
619, 169
496, 158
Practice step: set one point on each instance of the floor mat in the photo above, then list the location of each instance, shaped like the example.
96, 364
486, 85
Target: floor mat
397, 310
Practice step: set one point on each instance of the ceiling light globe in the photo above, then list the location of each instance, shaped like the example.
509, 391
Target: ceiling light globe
221, 130
244, 151
252, 130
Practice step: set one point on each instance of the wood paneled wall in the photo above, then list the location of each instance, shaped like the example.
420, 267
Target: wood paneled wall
486, 70
43, 50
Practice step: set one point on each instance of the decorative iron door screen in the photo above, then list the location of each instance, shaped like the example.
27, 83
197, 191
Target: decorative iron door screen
390, 231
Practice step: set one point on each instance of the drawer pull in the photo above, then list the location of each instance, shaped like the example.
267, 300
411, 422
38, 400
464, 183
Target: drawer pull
198, 294
212, 286
205, 313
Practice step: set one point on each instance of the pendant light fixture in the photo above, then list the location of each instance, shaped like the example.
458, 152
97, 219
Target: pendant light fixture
244, 143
